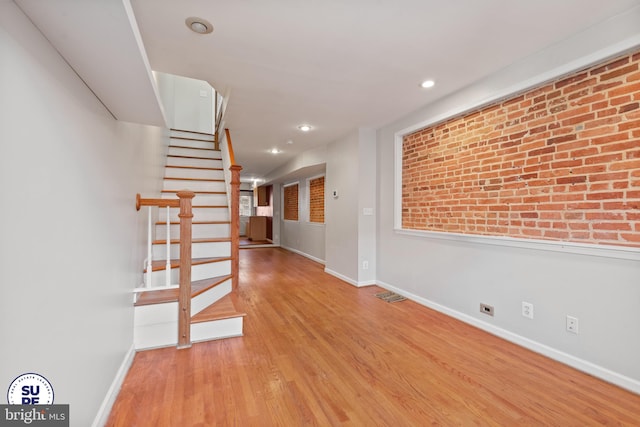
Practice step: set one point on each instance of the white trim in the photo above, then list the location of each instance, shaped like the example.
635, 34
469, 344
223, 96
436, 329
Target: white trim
605, 251
605, 374
266, 245
349, 280
306, 255
105, 409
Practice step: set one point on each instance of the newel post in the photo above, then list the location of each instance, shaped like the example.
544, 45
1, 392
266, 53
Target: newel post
184, 295
235, 225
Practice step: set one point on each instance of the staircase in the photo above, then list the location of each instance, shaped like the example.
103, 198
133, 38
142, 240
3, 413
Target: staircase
193, 164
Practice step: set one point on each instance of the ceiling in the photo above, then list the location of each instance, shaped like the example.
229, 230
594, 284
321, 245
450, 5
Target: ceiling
334, 64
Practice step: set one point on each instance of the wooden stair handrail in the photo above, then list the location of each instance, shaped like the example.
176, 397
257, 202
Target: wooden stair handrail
184, 202
232, 157
235, 214
163, 203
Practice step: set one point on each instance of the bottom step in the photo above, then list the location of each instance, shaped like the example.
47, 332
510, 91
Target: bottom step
216, 321
219, 320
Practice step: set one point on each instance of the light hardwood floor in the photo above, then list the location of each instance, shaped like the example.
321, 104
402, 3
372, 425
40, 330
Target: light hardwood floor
318, 351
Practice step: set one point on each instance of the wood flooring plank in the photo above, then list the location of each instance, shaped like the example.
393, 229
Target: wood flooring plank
318, 351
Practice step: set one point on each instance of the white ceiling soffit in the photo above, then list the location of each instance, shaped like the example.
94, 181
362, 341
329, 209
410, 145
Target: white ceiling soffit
339, 64
101, 42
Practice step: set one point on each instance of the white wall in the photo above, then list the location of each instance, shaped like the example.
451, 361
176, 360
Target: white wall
70, 236
456, 275
341, 214
351, 218
302, 236
188, 103
367, 164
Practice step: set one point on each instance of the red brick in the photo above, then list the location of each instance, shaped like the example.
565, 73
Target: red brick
619, 72
544, 173
610, 65
605, 196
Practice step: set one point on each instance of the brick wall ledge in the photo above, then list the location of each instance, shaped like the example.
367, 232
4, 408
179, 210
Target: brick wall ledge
605, 251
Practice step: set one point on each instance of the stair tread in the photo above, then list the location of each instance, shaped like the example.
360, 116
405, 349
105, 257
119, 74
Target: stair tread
193, 157
192, 139
191, 131
197, 192
192, 148
208, 206
224, 308
194, 167
195, 240
171, 295
160, 264
194, 222
166, 178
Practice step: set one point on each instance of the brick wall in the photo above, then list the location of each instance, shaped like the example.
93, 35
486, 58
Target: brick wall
559, 162
316, 200
291, 202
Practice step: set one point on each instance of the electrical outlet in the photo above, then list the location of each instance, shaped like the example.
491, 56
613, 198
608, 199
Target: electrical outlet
572, 324
527, 309
365, 265
486, 309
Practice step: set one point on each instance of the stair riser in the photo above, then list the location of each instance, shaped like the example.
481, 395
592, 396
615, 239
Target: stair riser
198, 163
205, 299
203, 199
198, 250
198, 272
197, 231
187, 134
192, 143
166, 334
177, 185
192, 152
155, 313
193, 173
154, 336
216, 329
199, 214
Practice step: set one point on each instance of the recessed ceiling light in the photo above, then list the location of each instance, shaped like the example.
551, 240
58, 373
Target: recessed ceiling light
304, 128
274, 151
427, 84
199, 25
289, 142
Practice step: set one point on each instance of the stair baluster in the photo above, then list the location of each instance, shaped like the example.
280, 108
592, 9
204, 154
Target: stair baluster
149, 248
167, 276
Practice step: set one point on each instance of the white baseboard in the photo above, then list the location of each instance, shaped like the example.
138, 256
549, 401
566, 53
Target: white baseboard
552, 353
350, 280
105, 409
306, 255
